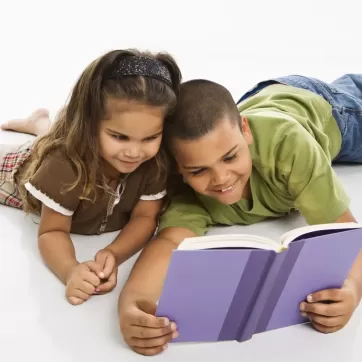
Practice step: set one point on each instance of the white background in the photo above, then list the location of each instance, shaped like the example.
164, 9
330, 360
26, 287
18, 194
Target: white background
43, 48
45, 45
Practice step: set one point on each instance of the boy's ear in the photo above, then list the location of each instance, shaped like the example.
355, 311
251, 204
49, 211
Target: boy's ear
246, 131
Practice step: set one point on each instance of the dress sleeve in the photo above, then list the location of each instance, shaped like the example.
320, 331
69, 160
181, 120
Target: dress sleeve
53, 184
153, 189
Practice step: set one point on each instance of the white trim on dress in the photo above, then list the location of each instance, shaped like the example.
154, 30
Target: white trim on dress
47, 201
158, 196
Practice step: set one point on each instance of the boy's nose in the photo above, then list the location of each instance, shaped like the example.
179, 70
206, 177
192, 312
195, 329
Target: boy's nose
220, 178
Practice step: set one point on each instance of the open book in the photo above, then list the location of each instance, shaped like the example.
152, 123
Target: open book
230, 287
261, 242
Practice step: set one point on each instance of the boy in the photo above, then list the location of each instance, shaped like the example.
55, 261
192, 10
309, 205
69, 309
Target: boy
241, 165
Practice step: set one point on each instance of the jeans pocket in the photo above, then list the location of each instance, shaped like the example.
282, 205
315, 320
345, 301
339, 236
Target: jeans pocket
345, 102
350, 124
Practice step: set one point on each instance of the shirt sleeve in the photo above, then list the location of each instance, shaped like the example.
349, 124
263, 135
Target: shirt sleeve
311, 180
186, 211
51, 182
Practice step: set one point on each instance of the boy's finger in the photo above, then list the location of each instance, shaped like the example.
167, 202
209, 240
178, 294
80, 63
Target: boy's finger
150, 351
142, 332
323, 329
327, 310
329, 322
142, 319
335, 295
151, 342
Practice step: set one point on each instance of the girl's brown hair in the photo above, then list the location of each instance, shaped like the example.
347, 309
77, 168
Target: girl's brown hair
77, 125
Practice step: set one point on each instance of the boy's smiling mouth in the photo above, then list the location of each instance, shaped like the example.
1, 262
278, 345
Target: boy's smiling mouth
226, 189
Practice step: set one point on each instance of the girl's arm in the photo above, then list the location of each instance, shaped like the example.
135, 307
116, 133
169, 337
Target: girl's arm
55, 244
57, 250
138, 231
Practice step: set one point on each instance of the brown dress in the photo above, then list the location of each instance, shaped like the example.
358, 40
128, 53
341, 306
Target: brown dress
111, 209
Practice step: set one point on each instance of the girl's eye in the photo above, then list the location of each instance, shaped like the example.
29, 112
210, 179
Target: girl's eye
120, 137
198, 172
230, 158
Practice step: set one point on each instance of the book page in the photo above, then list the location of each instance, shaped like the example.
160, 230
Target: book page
229, 241
291, 235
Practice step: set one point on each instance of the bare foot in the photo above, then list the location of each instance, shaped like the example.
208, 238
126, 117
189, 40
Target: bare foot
38, 123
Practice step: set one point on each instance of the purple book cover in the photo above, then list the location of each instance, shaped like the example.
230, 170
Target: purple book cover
323, 262
231, 294
201, 287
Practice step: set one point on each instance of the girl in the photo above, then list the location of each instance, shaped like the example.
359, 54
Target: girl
98, 169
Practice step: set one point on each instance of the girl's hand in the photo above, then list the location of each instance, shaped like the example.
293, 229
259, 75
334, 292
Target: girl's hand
82, 282
107, 264
333, 315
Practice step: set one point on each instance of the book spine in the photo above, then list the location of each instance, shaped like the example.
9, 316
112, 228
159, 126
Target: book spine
271, 300
247, 330
245, 294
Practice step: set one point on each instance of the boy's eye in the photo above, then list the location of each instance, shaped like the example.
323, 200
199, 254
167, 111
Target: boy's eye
152, 138
230, 158
197, 172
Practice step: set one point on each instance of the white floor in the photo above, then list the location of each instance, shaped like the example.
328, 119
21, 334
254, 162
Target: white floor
36, 321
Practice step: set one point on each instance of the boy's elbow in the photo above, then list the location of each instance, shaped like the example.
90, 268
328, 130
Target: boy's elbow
346, 217
175, 235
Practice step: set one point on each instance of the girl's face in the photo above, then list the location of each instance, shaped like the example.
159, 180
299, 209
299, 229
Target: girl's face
130, 135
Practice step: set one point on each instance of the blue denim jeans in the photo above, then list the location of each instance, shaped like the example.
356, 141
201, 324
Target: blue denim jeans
345, 97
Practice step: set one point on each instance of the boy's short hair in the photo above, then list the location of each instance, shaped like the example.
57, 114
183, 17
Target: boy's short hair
201, 106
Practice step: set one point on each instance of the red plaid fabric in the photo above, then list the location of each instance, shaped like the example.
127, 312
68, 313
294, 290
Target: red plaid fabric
9, 165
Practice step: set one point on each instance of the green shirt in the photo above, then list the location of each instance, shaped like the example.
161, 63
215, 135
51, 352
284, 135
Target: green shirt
295, 140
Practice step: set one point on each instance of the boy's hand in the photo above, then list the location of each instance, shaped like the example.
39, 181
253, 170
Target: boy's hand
334, 315
82, 282
142, 331
108, 271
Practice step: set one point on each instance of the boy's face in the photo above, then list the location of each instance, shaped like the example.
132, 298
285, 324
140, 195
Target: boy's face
218, 164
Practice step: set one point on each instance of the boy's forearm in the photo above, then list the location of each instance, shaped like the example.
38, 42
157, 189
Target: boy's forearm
57, 251
149, 272
138, 231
